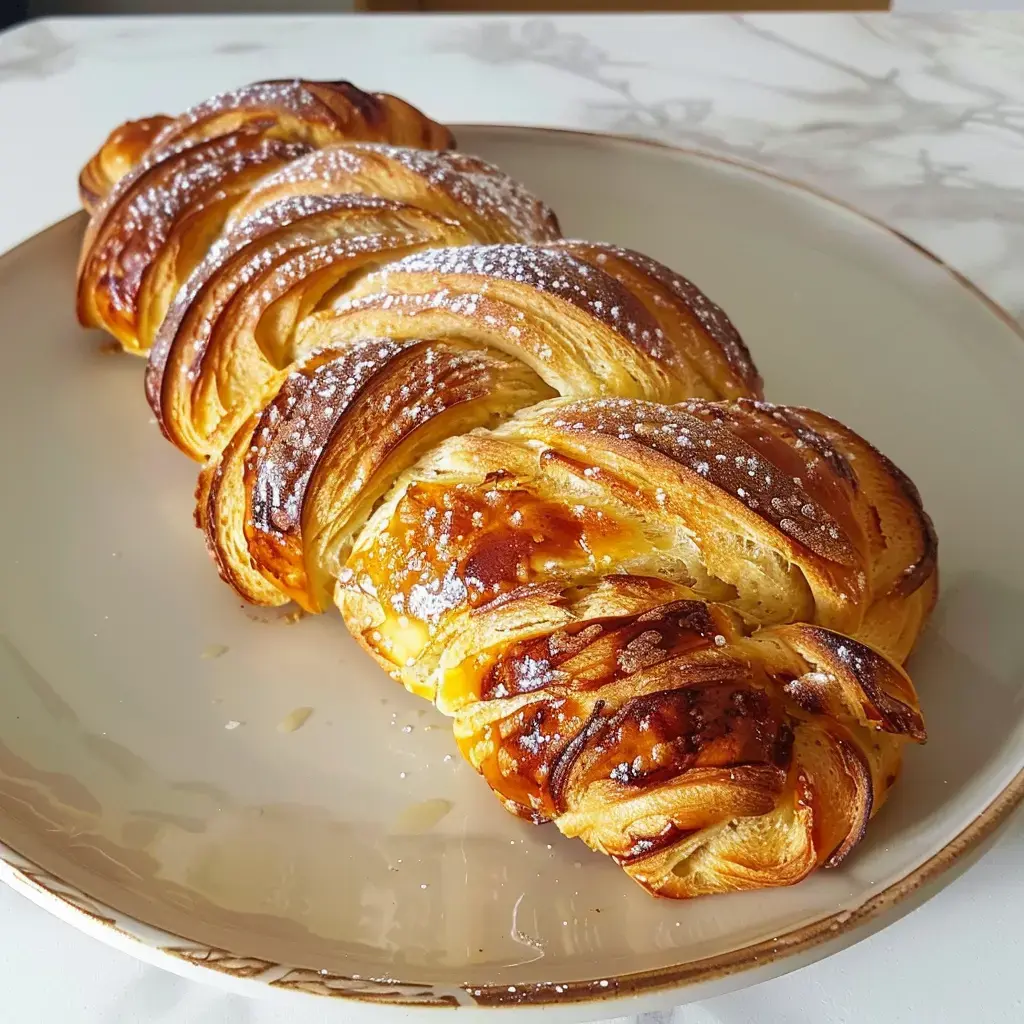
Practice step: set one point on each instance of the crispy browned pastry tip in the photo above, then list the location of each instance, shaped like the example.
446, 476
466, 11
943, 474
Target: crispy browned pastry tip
671, 742
322, 112
160, 190
536, 476
123, 149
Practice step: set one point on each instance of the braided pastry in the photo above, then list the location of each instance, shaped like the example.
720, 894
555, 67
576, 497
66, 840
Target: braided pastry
536, 476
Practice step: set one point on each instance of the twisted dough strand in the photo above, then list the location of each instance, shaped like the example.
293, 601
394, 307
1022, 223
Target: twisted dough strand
320, 112
535, 475
160, 190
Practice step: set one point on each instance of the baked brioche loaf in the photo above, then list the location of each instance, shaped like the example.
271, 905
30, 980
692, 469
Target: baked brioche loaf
536, 476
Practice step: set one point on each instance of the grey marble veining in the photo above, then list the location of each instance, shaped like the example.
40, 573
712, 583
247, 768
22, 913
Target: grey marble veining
42, 52
918, 120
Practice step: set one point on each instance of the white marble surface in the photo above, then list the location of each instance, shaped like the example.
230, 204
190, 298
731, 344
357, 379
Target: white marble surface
918, 120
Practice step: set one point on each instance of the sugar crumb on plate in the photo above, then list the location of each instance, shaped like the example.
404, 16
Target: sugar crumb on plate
294, 720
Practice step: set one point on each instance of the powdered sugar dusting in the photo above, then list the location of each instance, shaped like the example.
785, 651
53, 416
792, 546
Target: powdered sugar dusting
408, 383
712, 318
136, 230
497, 207
291, 97
708, 448
274, 100
294, 429
640, 652
276, 249
430, 600
554, 271
806, 436
485, 189
246, 233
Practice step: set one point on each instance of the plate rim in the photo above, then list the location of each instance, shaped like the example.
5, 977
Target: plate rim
795, 948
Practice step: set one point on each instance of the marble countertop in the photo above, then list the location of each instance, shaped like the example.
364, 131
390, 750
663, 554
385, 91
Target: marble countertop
918, 120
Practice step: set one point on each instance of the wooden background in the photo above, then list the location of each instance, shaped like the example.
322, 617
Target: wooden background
624, 6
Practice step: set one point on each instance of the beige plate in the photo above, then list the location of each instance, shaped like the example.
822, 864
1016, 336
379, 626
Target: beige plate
285, 863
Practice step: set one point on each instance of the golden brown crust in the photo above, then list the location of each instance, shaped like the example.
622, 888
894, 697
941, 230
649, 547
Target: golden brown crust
123, 149
702, 759
698, 329
152, 229
675, 630
585, 331
557, 273
492, 206
901, 539
159, 197
334, 106
220, 503
674, 489
299, 478
338, 432
671, 742
711, 442
850, 681
322, 112
638, 471
232, 324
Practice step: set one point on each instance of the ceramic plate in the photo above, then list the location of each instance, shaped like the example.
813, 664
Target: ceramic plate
152, 793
